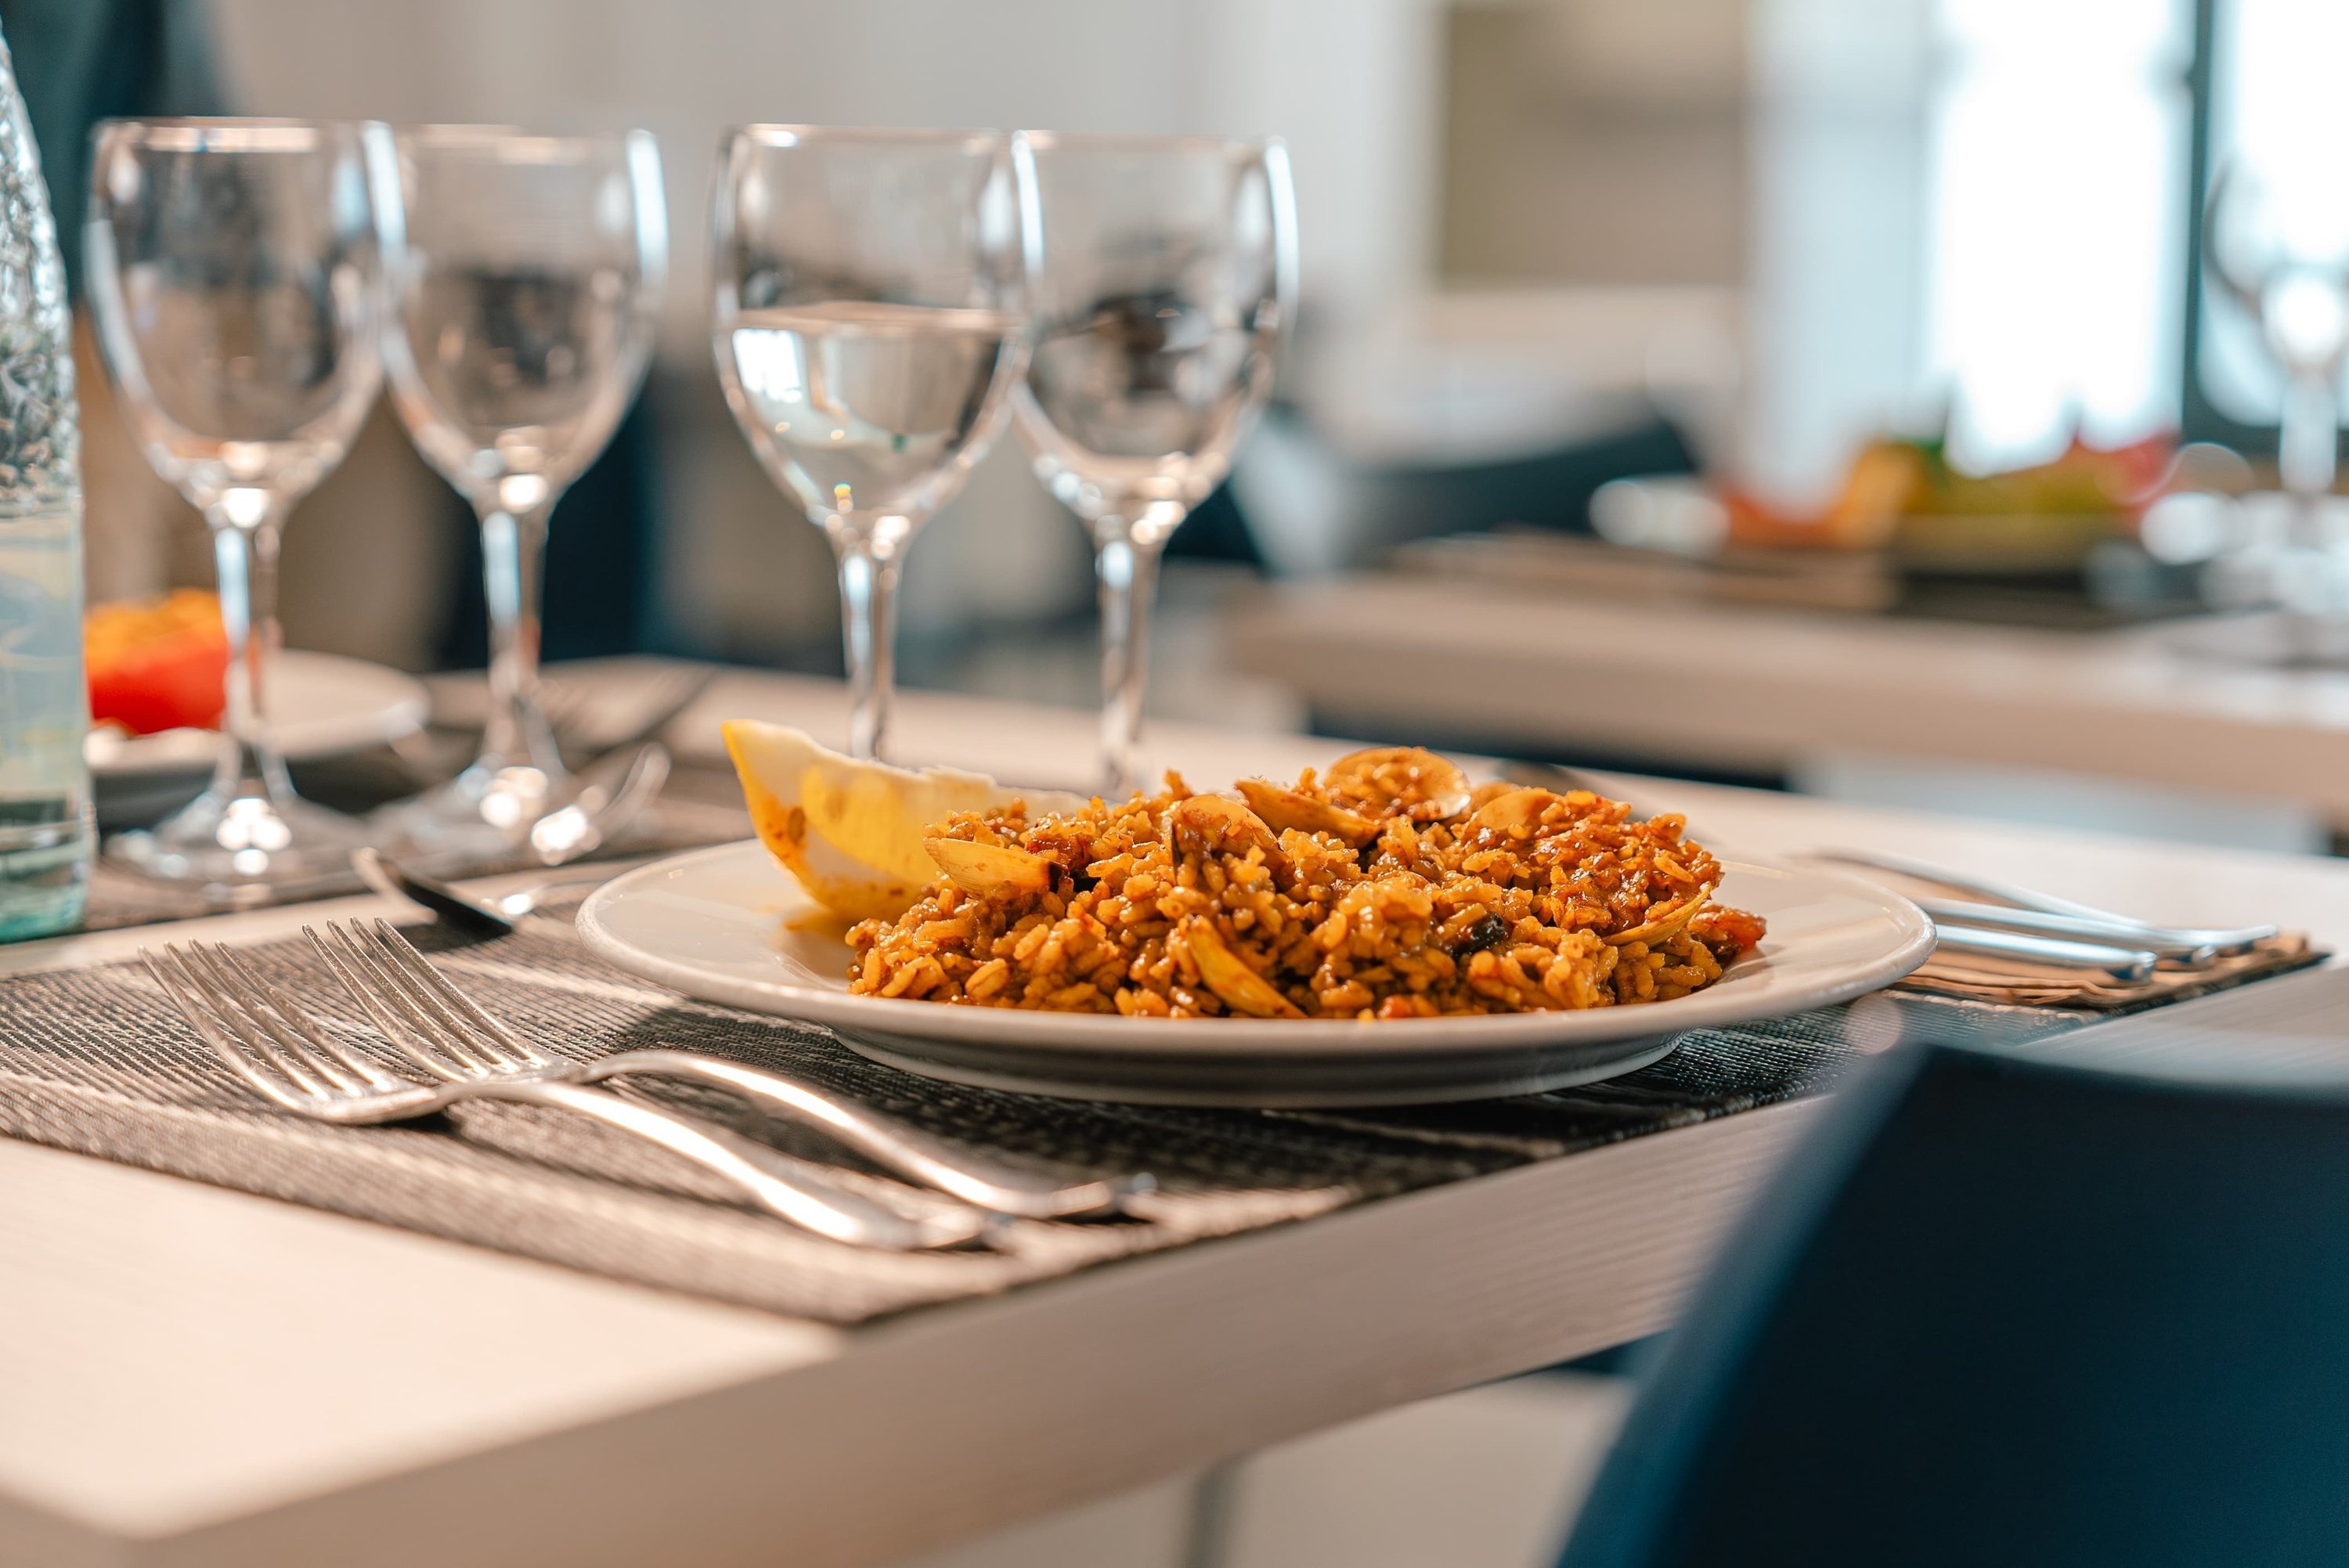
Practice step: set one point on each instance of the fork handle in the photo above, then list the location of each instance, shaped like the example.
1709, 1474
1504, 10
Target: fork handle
1946, 912
810, 1204
2115, 962
886, 1141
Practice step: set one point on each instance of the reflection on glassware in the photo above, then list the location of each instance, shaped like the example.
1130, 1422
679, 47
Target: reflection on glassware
868, 320
2279, 247
523, 313
1169, 276
235, 268
2280, 250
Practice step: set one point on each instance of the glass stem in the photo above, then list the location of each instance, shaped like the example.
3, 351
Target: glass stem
1127, 564
868, 616
244, 559
512, 543
2308, 449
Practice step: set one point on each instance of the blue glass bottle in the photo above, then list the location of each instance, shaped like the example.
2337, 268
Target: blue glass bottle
46, 827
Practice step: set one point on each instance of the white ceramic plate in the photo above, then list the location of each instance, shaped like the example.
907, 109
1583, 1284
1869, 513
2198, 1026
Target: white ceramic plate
717, 924
321, 705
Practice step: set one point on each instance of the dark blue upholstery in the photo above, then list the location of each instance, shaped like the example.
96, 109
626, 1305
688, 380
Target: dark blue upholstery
2002, 1312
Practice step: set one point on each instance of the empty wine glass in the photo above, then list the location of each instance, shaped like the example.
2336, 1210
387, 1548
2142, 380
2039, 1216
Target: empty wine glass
235, 266
2276, 242
1169, 276
2279, 248
522, 320
868, 320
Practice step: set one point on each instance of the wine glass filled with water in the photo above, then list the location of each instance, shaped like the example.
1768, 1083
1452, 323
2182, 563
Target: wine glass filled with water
236, 271
1169, 275
868, 321
523, 322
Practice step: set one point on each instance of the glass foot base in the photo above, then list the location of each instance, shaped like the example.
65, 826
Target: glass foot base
485, 813
243, 838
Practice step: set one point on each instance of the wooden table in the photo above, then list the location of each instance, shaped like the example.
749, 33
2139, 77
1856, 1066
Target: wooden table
1760, 690
190, 1375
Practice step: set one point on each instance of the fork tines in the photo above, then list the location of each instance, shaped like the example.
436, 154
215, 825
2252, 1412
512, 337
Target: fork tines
425, 1017
259, 1032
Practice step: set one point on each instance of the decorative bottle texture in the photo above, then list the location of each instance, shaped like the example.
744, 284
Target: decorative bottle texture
46, 827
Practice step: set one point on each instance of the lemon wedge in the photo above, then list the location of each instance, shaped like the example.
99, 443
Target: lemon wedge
852, 831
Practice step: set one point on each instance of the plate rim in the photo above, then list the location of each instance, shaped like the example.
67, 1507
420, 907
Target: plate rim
1238, 1040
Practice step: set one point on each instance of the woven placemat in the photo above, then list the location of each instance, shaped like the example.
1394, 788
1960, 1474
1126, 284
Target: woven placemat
95, 1061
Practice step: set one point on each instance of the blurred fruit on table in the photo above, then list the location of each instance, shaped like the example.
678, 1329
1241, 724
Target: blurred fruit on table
1905, 495
157, 664
1905, 528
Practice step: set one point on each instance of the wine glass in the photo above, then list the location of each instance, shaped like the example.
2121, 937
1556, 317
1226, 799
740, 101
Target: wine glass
522, 323
1169, 276
235, 269
868, 320
2280, 249
2276, 242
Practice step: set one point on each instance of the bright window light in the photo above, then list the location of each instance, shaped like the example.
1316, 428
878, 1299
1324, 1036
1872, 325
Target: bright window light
2276, 108
2058, 143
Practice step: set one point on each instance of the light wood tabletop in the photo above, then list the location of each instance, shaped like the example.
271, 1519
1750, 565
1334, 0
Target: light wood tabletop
1760, 690
192, 1375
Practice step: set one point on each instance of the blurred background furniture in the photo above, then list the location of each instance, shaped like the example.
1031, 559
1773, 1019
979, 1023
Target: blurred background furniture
2012, 1312
1547, 242
2126, 730
1550, 242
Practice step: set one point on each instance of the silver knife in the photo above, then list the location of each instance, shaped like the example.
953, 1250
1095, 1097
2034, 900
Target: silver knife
2117, 963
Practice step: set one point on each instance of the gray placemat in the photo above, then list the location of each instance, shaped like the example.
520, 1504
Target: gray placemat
95, 1060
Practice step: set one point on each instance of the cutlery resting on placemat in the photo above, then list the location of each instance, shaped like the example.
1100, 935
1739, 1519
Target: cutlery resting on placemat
268, 1041
290, 1060
2030, 948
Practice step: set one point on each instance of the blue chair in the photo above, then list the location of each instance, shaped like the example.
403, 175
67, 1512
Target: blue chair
2011, 1313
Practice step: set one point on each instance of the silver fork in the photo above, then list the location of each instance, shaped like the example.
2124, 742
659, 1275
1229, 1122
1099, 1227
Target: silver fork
266, 1040
404, 995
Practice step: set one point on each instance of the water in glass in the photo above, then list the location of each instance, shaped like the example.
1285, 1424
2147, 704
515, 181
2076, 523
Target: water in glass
869, 322
862, 405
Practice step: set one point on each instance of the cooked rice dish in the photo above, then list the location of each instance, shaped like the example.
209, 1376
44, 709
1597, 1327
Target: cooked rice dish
1385, 888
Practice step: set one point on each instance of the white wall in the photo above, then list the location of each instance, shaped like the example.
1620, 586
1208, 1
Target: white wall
1352, 84
1837, 269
